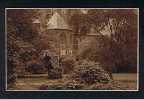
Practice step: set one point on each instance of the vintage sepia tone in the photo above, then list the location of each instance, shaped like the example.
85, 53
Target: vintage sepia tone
72, 49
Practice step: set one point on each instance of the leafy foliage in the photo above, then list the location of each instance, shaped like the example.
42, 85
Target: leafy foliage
55, 73
67, 64
11, 77
90, 72
117, 52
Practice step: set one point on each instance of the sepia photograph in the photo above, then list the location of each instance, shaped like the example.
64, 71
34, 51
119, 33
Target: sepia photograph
72, 49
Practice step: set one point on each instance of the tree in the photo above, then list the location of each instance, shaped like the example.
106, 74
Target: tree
21, 19
125, 36
119, 51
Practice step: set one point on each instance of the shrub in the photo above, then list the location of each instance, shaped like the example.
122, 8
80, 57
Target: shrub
72, 85
90, 72
11, 74
43, 87
66, 85
101, 86
67, 64
113, 85
35, 68
55, 73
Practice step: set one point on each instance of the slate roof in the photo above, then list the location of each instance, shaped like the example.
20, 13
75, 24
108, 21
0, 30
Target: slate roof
57, 22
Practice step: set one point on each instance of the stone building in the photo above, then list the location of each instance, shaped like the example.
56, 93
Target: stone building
59, 32
64, 41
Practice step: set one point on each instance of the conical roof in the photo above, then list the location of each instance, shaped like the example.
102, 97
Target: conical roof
57, 22
36, 21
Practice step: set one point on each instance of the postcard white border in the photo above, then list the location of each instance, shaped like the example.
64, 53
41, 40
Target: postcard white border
71, 90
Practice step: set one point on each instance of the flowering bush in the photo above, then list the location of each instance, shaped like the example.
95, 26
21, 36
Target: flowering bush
90, 72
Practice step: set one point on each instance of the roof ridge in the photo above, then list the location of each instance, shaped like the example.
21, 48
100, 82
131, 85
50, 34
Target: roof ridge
57, 22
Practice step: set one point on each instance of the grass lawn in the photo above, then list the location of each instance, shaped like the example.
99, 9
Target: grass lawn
35, 81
